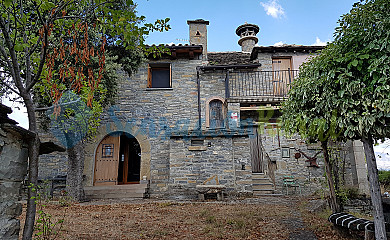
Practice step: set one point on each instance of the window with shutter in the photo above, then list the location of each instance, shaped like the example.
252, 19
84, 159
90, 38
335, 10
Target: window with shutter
216, 114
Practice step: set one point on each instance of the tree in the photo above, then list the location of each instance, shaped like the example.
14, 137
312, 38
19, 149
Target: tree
356, 70
306, 113
35, 34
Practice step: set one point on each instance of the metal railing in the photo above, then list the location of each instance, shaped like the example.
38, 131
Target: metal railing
259, 83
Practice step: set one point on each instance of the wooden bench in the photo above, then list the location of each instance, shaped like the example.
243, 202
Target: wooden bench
203, 189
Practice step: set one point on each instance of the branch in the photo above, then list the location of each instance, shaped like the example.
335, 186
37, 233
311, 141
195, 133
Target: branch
15, 65
42, 62
51, 107
9, 87
6, 59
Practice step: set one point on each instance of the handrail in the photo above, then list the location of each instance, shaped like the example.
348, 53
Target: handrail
259, 83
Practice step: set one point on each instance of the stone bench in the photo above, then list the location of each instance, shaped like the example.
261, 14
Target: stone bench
203, 189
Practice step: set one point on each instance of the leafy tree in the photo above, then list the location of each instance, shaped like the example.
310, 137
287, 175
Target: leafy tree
355, 71
47, 44
306, 113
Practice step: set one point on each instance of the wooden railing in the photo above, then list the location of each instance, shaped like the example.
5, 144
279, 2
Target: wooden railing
259, 83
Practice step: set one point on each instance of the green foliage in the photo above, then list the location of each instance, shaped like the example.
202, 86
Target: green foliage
350, 78
345, 194
46, 227
384, 178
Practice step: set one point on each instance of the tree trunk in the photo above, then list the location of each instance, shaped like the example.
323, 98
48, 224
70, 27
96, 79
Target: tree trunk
376, 198
74, 178
333, 199
33, 154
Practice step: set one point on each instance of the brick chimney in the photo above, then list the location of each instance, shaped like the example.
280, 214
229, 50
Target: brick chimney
198, 34
247, 33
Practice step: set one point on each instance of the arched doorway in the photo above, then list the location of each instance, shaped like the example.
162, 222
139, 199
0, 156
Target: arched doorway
117, 160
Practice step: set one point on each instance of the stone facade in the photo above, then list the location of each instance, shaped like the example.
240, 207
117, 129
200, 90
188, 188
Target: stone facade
13, 169
179, 148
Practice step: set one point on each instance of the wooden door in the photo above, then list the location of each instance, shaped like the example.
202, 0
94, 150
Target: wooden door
281, 75
256, 152
107, 161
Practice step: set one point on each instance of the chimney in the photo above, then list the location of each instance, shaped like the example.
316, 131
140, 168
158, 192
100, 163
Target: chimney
198, 34
247, 33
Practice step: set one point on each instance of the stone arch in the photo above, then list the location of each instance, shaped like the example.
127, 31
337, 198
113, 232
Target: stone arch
207, 112
111, 128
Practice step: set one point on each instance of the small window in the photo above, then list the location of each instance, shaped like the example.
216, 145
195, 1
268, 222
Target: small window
108, 150
159, 75
285, 152
197, 142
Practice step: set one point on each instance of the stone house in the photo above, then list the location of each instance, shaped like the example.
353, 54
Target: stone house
196, 117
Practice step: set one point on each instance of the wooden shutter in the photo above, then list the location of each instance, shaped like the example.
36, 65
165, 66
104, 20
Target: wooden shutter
149, 77
256, 152
216, 114
107, 161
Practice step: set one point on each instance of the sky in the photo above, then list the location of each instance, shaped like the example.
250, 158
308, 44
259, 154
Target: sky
302, 22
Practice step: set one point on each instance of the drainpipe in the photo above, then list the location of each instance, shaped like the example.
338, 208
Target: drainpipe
199, 109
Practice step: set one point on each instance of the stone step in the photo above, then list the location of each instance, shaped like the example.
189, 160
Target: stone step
116, 191
262, 186
262, 180
259, 192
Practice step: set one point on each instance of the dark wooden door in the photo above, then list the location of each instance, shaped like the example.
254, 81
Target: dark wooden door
256, 152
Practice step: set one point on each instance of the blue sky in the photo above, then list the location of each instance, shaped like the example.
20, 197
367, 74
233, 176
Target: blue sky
286, 21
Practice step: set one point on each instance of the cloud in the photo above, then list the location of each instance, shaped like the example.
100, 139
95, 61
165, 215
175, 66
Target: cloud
273, 8
278, 44
382, 154
319, 42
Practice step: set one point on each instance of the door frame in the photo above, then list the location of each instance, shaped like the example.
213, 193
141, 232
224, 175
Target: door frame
111, 128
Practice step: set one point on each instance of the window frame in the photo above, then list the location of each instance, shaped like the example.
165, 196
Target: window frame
159, 66
224, 112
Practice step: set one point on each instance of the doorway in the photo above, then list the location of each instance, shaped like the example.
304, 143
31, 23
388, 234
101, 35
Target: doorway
129, 160
117, 160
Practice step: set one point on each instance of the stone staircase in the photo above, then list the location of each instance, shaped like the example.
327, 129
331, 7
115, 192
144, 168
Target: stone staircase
262, 184
117, 191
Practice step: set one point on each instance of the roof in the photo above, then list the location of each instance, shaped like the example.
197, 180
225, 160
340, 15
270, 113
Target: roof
4, 111
199, 21
180, 50
229, 58
284, 48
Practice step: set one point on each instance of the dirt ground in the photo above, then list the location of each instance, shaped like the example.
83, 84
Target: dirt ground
254, 218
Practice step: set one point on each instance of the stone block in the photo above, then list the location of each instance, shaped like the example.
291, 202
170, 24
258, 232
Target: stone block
9, 229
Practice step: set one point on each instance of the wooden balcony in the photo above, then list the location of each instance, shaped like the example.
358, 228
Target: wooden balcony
259, 86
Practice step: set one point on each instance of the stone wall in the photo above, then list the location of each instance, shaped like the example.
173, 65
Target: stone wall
223, 159
13, 169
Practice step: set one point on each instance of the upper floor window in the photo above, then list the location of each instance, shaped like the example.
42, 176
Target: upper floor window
159, 75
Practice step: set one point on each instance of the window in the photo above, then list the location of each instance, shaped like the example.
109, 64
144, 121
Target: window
216, 114
108, 150
159, 75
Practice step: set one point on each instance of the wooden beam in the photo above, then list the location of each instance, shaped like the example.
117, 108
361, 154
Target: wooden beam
259, 108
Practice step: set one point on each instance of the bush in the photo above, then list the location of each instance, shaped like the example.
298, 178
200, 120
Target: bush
384, 178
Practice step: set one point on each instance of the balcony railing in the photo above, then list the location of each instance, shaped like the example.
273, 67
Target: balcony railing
259, 84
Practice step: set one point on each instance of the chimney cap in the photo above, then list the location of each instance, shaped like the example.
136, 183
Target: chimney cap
199, 21
243, 27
